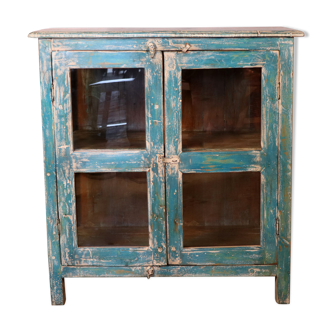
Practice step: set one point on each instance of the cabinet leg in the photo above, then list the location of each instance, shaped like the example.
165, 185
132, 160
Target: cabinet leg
58, 292
282, 289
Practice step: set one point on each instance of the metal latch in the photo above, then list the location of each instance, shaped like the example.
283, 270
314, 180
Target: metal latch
149, 271
170, 160
186, 47
152, 49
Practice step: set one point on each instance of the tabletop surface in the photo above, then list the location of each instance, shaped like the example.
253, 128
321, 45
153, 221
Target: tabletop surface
165, 32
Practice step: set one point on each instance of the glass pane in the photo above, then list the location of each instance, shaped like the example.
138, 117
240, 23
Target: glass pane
221, 209
108, 108
112, 209
221, 108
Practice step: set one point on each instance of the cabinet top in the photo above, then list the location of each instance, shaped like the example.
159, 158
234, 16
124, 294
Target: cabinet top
165, 32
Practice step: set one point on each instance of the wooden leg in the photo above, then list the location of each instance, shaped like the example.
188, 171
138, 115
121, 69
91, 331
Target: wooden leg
58, 293
283, 273
281, 291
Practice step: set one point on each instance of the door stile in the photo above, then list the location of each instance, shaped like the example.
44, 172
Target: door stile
173, 146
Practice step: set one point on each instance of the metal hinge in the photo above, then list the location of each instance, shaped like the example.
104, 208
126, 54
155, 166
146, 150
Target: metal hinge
58, 226
52, 92
277, 225
278, 90
171, 160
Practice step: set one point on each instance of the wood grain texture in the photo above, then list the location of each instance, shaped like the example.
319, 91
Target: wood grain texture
221, 102
270, 155
54, 259
70, 161
172, 271
165, 44
222, 161
108, 160
165, 32
208, 236
285, 172
264, 160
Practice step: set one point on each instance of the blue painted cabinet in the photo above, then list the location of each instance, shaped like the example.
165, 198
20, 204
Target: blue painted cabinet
167, 152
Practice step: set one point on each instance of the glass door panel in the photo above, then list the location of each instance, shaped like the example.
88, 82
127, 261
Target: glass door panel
221, 209
108, 108
221, 108
221, 114
112, 209
109, 134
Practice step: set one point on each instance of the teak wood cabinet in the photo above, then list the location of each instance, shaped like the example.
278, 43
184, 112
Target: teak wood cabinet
167, 152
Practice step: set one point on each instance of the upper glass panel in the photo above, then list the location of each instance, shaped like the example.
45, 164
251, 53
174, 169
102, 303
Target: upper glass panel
108, 108
221, 109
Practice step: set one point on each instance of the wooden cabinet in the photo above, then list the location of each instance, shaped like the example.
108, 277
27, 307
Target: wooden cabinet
167, 152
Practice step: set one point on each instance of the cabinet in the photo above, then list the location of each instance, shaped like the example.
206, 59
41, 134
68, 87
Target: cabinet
167, 152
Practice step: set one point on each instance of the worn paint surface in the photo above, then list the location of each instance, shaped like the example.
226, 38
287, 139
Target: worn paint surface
275, 54
264, 160
53, 244
171, 271
69, 161
285, 171
140, 44
166, 32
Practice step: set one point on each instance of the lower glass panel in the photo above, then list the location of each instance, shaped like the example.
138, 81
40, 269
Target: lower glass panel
221, 209
112, 209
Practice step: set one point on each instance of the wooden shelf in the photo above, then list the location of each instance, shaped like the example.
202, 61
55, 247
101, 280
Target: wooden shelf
207, 236
194, 140
89, 139
194, 236
113, 236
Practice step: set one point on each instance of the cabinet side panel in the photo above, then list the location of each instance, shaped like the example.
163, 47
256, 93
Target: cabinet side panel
285, 170
56, 280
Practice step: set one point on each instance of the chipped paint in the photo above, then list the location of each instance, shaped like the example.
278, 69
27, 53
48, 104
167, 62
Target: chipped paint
274, 55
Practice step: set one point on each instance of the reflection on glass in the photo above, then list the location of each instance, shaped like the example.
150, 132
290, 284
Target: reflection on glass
221, 209
112, 209
221, 108
108, 108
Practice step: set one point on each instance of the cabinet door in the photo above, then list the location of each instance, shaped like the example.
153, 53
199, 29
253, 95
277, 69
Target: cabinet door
221, 120
109, 131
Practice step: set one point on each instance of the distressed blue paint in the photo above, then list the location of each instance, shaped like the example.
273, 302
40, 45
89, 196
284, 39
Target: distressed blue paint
107, 160
69, 161
174, 214
157, 214
112, 256
270, 118
275, 154
101, 59
264, 160
285, 173
54, 259
223, 255
229, 59
230, 161
141, 44
172, 271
